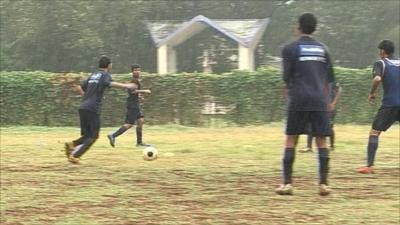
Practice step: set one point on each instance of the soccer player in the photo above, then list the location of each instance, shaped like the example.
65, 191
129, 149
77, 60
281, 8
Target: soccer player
307, 73
133, 113
385, 71
90, 108
334, 93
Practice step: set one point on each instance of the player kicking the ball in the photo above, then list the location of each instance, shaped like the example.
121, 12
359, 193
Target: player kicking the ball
92, 89
134, 114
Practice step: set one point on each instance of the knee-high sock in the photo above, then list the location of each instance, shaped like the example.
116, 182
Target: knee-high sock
81, 149
332, 139
120, 131
139, 135
79, 141
287, 163
323, 156
371, 149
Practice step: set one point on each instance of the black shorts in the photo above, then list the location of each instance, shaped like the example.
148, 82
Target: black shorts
133, 114
90, 123
300, 122
385, 118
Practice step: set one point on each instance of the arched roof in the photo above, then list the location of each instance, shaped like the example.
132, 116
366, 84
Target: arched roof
244, 32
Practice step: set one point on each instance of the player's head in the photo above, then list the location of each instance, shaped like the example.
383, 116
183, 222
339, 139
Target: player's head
105, 63
386, 48
135, 69
307, 23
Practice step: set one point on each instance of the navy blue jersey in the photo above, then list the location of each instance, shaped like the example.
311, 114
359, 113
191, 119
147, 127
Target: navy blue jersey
132, 102
389, 71
94, 87
307, 72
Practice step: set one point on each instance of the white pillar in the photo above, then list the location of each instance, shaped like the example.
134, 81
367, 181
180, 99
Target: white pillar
162, 58
171, 60
166, 60
246, 58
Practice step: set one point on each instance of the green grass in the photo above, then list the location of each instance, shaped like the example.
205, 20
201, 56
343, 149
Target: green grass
203, 176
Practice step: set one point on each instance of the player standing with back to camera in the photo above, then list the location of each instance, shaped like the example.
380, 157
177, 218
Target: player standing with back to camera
307, 73
334, 92
387, 72
92, 90
134, 114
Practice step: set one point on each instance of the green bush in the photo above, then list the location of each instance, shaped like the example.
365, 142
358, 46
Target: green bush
49, 99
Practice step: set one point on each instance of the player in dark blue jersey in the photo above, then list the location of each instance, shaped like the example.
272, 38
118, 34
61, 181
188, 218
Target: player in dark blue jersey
385, 71
92, 89
134, 114
307, 73
334, 93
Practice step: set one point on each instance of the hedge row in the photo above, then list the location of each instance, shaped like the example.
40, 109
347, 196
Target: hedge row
49, 99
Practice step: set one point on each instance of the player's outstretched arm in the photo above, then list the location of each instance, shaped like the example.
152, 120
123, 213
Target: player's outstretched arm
123, 86
145, 91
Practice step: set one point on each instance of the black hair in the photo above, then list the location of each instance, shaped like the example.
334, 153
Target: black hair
104, 62
134, 66
307, 23
387, 46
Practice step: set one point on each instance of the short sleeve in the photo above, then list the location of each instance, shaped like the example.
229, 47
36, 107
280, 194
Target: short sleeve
107, 80
84, 84
288, 63
377, 70
331, 74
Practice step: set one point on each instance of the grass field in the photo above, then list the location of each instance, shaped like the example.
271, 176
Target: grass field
202, 176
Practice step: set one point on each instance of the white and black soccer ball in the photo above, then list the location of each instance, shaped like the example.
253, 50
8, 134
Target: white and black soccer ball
150, 153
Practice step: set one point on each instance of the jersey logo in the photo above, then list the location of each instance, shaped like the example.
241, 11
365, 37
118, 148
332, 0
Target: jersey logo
312, 53
314, 50
95, 78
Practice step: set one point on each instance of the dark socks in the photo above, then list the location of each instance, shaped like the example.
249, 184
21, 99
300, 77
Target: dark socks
323, 156
371, 149
81, 149
309, 141
288, 159
332, 139
120, 131
139, 135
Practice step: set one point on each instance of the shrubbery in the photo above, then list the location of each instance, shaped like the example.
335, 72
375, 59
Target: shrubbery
49, 99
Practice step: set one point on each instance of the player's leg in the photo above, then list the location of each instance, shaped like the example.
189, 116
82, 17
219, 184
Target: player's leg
332, 136
69, 146
296, 124
383, 120
308, 147
139, 132
332, 140
93, 121
321, 129
129, 122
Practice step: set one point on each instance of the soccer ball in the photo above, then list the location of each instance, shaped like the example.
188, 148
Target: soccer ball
150, 153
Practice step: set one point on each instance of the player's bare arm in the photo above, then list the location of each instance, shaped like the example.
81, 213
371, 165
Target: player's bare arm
144, 91
122, 85
375, 84
332, 105
79, 89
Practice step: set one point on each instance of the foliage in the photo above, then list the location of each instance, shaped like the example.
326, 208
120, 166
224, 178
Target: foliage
50, 99
69, 36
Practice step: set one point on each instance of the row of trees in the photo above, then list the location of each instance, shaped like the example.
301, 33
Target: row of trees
67, 35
